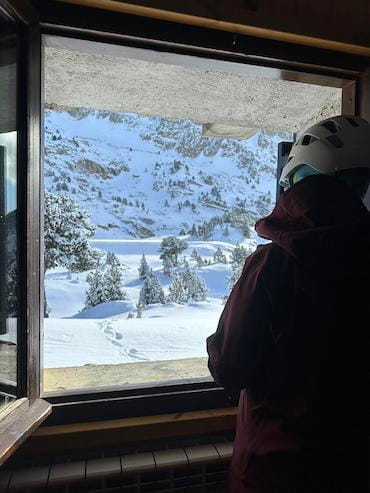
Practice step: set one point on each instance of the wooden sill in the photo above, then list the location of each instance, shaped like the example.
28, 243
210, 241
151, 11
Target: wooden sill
129, 431
18, 421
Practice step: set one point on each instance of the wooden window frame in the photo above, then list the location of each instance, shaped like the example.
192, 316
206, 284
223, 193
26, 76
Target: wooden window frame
315, 66
20, 418
304, 64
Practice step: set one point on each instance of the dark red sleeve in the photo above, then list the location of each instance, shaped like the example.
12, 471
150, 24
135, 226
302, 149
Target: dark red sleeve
239, 348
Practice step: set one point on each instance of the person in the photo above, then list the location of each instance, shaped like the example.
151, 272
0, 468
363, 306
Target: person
293, 336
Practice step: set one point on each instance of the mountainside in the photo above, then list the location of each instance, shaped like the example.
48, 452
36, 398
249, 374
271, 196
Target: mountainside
142, 177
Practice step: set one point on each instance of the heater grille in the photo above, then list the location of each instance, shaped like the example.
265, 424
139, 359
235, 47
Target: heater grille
195, 468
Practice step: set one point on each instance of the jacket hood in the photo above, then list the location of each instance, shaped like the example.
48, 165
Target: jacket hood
321, 223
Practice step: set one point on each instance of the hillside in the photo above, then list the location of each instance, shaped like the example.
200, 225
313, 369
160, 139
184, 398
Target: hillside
142, 179
142, 176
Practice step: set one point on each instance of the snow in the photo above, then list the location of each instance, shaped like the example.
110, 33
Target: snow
165, 332
107, 161
106, 310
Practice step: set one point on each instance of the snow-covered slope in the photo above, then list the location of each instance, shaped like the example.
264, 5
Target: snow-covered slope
142, 179
143, 176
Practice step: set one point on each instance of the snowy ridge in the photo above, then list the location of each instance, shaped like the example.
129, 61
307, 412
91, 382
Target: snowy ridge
144, 176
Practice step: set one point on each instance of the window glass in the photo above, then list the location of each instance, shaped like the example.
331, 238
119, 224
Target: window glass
8, 210
157, 167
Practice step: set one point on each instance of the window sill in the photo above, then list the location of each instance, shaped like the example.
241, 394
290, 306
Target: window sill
49, 439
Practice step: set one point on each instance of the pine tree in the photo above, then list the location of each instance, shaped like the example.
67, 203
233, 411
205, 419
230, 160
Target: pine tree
186, 286
143, 268
113, 280
194, 255
105, 284
177, 292
67, 230
96, 293
152, 291
219, 257
197, 258
170, 248
237, 261
167, 266
200, 262
109, 258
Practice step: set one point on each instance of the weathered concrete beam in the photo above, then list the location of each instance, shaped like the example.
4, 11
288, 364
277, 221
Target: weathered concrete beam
210, 92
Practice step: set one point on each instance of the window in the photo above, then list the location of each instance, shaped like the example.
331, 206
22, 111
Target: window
156, 167
8, 211
21, 409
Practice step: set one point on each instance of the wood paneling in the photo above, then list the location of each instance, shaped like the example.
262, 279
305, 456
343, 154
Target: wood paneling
121, 432
335, 26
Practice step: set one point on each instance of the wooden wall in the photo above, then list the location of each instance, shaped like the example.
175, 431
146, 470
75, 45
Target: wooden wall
335, 20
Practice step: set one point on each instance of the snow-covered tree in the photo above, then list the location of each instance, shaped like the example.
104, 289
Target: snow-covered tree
170, 248
237, 260
109, 258
219, 257
143, 268
152, 291
97, 292
197, 258
177, 292
167, 266
67, 230
113, 280
187, 286
105, 284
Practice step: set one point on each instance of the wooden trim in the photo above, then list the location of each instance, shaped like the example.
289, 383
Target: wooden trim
33, 226
20, 423
122, 432
249, 30
115, 424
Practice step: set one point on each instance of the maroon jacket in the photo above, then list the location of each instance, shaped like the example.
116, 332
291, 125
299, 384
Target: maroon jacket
293, 337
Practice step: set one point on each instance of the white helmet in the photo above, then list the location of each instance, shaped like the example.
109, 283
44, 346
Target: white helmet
335, 144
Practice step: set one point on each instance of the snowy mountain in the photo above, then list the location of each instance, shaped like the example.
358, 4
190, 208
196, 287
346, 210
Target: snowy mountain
141, 177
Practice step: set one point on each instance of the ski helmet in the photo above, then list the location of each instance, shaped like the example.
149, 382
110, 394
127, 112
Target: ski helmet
336, 144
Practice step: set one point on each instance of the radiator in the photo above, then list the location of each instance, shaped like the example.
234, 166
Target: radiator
198, 468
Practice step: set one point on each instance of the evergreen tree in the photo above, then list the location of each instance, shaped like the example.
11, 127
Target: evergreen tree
143, 268
177, 292
170, 249
194, 255
97, 289
113, 280
109, 258
105, 284
219, 257
200, 261
67, 230
197, 258
186, 286
238, 258
152, 291
167, 266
